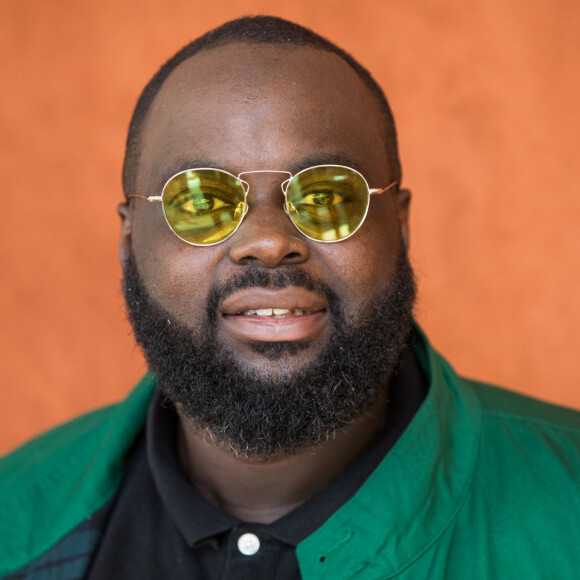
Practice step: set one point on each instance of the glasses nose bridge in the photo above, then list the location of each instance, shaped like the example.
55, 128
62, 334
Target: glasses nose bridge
283, 184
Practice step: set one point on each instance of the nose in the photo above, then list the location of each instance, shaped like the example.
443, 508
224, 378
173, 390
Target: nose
267, 236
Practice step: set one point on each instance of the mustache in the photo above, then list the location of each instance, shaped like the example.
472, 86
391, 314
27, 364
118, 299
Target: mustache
261, 278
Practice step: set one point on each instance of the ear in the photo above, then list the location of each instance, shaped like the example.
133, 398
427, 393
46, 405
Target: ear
403, 201
125, 211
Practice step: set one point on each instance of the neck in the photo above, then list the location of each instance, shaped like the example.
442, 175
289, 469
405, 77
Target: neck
263, 491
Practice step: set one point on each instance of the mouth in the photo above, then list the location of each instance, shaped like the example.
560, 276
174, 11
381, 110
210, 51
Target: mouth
276, 312
289, 314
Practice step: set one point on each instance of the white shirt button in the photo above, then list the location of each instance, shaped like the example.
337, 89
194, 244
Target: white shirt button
248, 544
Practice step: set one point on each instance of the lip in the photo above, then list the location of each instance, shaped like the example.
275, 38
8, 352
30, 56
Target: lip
267, 329
258, 298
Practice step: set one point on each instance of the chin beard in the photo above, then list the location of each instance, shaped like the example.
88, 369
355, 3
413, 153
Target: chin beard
257, 415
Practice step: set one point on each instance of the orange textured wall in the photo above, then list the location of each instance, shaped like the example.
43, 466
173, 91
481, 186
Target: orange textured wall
486, 96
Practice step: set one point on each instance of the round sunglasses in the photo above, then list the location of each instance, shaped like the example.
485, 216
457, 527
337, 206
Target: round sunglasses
205, 206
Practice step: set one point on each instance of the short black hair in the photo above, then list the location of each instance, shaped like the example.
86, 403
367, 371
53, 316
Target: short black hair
250, 30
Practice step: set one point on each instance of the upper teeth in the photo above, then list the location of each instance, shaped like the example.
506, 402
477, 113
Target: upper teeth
278, 312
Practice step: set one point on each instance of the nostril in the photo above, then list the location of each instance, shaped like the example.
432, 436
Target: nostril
248, 260
291, 257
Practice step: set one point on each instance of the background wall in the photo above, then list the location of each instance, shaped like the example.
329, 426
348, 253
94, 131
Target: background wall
486, 97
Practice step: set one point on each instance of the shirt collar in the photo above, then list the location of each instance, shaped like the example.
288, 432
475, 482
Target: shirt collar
196, 518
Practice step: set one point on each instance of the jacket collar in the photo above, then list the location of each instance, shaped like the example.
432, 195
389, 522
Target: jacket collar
417, 490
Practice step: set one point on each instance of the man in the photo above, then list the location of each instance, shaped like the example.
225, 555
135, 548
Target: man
297, 423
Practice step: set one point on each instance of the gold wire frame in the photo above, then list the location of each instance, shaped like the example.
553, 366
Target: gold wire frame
284, 185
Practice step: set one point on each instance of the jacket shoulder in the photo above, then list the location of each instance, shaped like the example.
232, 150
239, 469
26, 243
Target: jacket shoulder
501, 403
45, 452
58, 480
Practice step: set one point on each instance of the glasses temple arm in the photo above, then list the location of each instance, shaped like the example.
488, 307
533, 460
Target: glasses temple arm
148, 198
382, 190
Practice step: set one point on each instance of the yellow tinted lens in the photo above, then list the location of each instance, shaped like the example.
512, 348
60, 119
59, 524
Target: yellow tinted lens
203, 206
328, 203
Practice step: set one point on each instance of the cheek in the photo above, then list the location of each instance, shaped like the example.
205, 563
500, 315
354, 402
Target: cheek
365, 263
175, 273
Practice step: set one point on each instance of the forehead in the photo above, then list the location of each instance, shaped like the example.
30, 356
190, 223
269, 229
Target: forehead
244, 107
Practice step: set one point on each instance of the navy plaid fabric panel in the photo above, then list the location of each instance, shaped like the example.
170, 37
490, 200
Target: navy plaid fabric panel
70, 559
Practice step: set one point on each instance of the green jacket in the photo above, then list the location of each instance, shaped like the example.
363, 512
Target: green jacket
484, 483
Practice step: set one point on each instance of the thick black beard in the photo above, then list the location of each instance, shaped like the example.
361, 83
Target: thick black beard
259, 416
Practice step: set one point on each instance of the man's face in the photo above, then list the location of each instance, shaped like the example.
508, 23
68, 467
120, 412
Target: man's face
255, 107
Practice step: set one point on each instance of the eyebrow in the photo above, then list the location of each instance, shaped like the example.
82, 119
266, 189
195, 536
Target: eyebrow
176, 167
336, 158
182, 164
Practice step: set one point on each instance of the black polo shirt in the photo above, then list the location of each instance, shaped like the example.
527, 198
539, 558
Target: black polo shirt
161, 527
